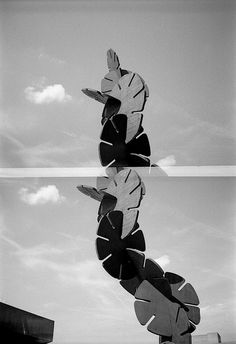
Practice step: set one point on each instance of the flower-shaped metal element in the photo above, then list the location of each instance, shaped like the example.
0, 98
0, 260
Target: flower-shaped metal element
146, 269
112, 248
115, 72
185, 295
173, 303
126, 186
116, 152
131, 92
113, 62
169, 284
169, 319
124, 192
110, 80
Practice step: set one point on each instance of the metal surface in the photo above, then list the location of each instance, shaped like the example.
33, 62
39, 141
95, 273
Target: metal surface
91, 192
112, 248
169, 319
96, 95
163, 300
19, 326
146, 269
109, 81
114, 151
123, 192
130, 90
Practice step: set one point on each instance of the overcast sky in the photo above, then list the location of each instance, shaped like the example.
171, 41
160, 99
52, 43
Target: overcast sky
185, 52
50, 265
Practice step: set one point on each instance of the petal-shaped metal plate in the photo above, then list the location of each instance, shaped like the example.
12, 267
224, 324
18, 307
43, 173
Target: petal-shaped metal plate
127, 188
130, 216
129, 221
103, 182
139, 145
194, 314
112, 171
112, 248
145, 270
110, 109
134, 127
107, 204
110, 80
113, 62
114, 151
91, 192
130, 90
146, 87
114, 130
169, 319
128, 127
106, 154
186, 295
96, 95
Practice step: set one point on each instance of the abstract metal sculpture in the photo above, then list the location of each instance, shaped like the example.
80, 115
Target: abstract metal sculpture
161, 297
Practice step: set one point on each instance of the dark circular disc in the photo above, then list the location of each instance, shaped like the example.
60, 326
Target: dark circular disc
111, 247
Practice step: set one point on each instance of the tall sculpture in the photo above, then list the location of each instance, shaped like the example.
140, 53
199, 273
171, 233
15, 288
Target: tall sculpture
162, 297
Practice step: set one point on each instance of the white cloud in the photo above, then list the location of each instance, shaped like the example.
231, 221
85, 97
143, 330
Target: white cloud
46, 194
167, 161
50, 94
86, 273
163, 260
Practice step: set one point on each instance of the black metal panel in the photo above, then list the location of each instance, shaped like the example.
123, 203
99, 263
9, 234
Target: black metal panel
20, 326
112, 248
145, 270
132, 153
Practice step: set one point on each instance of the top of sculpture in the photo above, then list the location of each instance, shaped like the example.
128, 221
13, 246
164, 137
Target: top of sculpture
122, 91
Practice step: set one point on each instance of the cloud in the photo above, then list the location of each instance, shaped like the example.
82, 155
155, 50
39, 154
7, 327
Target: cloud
86, 273
192, 138
60, 260
62, 151
37, 256
163, 260
167, 161
50, 94
3, 227
48, 58
46, 194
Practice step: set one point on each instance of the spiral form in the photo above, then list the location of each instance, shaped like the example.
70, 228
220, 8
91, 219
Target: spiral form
162, 299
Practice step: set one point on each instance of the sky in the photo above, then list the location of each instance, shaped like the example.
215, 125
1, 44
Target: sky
50, 266
185, 52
